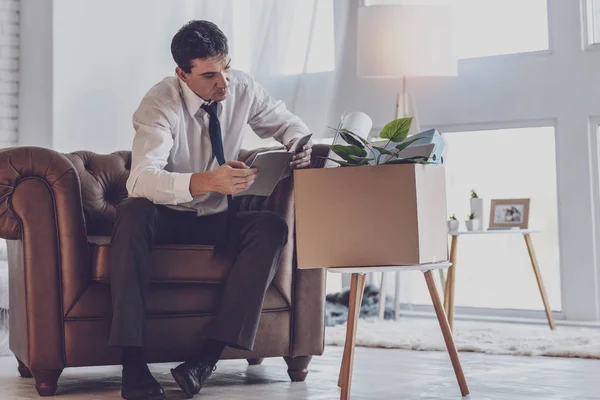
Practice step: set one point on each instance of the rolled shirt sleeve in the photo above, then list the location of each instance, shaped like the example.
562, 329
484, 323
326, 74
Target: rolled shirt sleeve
152, 145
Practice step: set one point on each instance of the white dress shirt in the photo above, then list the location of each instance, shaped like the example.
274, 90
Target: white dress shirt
172, 141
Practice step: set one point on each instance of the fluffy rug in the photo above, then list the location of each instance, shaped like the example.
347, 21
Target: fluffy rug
483, 337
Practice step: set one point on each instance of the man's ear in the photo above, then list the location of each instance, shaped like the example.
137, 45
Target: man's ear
181, 74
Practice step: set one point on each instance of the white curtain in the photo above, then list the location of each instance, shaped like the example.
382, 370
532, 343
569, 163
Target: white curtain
291, 47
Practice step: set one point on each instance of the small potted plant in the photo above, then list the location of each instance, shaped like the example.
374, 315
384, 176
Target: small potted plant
477, 208
453, 223
472, 222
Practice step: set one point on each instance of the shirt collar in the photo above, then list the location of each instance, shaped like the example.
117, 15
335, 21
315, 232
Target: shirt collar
193, 102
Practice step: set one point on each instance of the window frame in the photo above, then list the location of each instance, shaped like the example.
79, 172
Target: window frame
587, 25
594, 142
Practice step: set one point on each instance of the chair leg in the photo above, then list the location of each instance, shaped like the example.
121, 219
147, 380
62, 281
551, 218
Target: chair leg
23, 370
298, 367
447, 333
356, 291
255, 361
46, 381
538, 277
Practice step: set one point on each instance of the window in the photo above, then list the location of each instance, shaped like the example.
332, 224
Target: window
493, 27
494, 270
593, 21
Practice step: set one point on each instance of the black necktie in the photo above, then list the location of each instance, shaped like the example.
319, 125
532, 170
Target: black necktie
216, 140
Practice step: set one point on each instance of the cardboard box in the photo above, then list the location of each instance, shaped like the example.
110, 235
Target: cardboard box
371, 215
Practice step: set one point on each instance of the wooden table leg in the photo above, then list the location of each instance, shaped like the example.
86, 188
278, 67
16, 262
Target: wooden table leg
381, 305
450, 283
397, 296
447, 289
356, 293
538, 277
351, 308
442, 282
439, 311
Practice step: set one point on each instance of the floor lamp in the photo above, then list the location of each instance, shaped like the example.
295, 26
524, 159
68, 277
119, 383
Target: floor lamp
401, 41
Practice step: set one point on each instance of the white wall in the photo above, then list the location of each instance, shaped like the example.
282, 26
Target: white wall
36, 74
9, 79
561, 87
9, 71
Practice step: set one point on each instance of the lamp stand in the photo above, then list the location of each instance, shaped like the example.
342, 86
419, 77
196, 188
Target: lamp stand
407, 107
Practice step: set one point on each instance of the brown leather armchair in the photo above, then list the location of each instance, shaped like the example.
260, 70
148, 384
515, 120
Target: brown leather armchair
57, 213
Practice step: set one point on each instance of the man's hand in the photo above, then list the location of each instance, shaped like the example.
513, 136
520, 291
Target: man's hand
231, 178
302, 157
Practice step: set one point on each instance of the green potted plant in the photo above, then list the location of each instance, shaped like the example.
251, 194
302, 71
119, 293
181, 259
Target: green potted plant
359, 152
452, 223
477, 208
472, 222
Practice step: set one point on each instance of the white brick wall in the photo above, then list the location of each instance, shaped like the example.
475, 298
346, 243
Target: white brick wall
9, 71
9, 79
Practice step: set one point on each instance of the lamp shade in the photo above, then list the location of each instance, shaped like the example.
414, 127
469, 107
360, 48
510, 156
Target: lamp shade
396, 41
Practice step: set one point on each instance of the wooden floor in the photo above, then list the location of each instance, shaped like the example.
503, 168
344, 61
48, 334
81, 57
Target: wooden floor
379, 374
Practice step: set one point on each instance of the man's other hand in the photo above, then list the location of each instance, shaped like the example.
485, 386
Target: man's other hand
302, 156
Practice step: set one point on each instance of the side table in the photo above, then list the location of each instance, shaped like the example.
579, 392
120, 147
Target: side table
357, 285
451, 278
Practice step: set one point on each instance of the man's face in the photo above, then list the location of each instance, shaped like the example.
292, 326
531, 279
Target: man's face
209, 77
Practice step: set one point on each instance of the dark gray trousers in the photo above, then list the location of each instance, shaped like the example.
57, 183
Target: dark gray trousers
259, 237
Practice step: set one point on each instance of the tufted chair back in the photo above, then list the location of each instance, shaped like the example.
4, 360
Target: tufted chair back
103, 178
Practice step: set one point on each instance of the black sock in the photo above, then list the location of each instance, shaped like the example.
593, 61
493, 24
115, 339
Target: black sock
211, 351
132, 356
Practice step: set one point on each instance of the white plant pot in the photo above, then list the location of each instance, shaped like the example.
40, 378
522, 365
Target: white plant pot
453, 225
473, 224
477, 209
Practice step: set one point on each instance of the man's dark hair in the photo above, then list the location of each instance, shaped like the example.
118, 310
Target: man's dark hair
197, 39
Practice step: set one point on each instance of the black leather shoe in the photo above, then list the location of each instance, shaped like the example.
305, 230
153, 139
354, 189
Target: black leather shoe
190, 376
139, 384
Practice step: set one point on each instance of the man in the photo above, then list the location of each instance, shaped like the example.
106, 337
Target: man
188, 133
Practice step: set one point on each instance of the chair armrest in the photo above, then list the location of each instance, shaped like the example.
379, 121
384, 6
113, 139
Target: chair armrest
41, 215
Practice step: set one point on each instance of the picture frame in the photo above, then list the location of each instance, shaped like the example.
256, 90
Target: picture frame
509, 214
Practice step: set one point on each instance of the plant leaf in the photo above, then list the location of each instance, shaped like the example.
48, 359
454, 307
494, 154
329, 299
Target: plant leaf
407, 143
342, 163
346, 151
349, 132
384, 151
361, 160
409, 160
351, 139
397, 130
417, 158
399, 161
